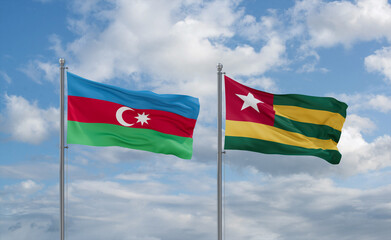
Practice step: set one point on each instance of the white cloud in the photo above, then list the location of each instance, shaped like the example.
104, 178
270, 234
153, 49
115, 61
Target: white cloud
179, 45
380, 62
39, 71
344, 22
295, 206
381, 103
263, 83
363, 102
26, 122
301, 207
360, 156
267, 27
139, 209
135, 176
5, 76
24, 188
319, 23
311, 67
33, 171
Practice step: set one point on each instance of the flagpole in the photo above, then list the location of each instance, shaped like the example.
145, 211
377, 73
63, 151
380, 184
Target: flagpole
62, 217
219, 153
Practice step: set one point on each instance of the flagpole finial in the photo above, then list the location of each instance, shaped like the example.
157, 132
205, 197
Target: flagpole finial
219, 67
62, 61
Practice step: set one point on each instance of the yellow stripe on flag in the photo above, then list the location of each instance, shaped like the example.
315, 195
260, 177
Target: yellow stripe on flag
273, 134
334, 120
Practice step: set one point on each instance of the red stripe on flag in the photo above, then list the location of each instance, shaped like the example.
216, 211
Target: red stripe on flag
89, 110
234, 104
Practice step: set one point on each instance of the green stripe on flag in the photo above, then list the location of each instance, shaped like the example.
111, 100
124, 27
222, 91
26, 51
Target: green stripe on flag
308, 129
311, 102
101, 134
262, 146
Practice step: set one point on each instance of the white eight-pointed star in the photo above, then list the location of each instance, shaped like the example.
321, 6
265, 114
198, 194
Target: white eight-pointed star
249, 101
142, 118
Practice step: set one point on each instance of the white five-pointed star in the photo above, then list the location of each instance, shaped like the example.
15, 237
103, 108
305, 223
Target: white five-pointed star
249, 101
142, 118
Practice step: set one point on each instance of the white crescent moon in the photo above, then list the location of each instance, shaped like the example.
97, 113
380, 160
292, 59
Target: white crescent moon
118, 115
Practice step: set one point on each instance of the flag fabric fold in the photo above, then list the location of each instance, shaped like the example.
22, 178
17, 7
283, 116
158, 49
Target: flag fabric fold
105, 115
289, 124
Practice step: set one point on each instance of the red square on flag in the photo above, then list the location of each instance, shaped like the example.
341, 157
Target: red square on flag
247, 104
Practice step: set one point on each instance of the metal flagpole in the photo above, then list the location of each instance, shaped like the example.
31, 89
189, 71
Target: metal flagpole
62, 217
219, 153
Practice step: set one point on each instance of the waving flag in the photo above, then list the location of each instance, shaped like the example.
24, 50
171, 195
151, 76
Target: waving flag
290, 124
104, 115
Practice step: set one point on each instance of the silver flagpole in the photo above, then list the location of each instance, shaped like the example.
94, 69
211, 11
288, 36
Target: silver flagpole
219, 153
62, 217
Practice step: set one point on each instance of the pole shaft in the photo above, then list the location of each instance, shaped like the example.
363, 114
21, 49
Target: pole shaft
219, 153
62, 217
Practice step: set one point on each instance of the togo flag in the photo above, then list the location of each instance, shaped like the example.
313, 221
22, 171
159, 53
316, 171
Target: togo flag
289, 124
104, 115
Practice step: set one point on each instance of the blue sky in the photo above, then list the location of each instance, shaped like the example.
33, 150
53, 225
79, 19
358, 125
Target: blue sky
322, 48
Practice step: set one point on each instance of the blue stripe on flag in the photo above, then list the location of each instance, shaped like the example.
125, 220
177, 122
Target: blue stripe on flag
183, 105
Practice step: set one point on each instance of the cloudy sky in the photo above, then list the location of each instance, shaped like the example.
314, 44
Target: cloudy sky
314, 47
